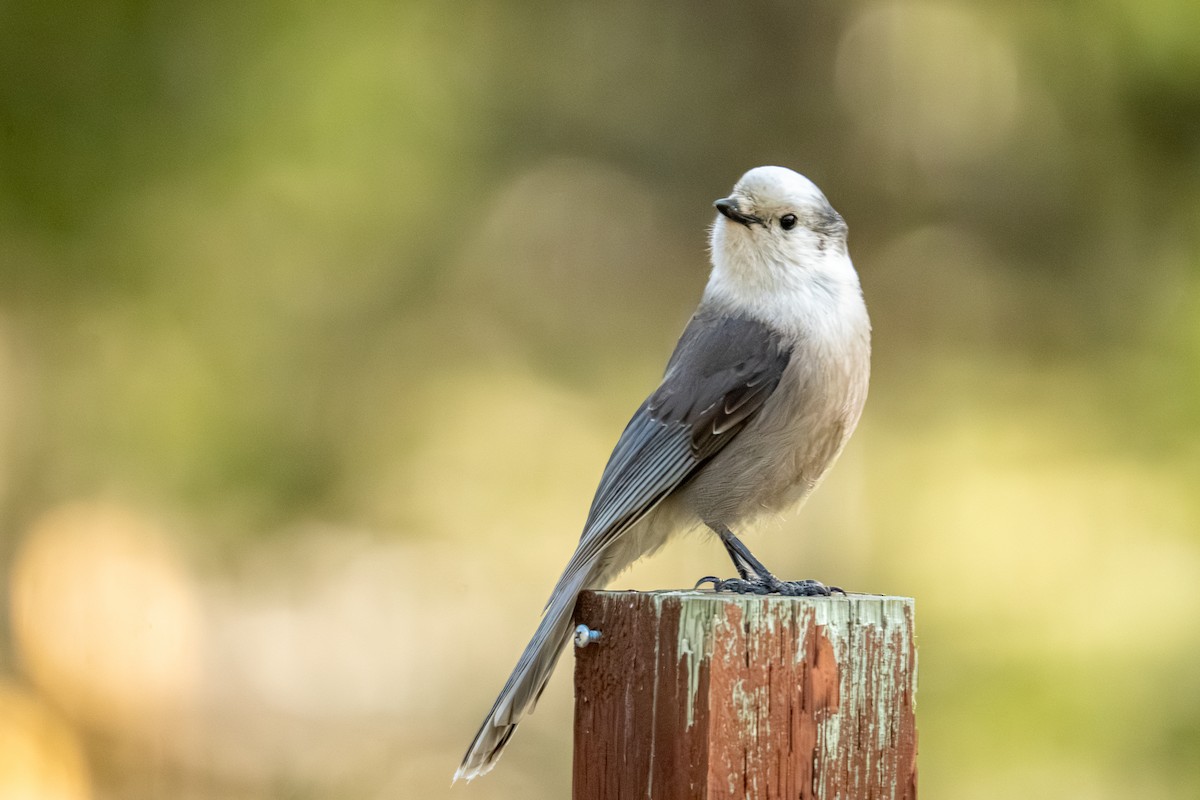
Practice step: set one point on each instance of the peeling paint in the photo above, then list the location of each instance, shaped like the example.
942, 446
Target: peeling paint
696, 627
751, 696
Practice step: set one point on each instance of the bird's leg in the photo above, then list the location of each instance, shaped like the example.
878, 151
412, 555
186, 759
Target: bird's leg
747, 566
754, 577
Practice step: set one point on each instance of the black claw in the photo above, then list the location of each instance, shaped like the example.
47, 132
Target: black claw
754, 578
742, 586
804, 589
770, 585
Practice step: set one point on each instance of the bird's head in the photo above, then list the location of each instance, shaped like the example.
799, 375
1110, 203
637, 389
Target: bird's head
776, 234
779, 212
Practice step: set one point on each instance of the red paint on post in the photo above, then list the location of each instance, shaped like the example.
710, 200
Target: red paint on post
694, 695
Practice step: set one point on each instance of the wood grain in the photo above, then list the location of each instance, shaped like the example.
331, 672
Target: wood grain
696, 695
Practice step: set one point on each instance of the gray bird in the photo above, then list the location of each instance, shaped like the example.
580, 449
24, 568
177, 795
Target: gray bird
764, 388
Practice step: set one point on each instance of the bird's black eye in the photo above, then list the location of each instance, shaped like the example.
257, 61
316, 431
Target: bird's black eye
787, 221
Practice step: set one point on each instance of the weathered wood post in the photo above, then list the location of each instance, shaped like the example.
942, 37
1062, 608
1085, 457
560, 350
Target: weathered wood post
696, 696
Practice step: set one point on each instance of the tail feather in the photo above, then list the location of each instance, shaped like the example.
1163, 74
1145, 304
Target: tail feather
528, 679
588, 569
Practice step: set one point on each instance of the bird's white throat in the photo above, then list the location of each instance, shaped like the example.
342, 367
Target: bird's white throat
796, 285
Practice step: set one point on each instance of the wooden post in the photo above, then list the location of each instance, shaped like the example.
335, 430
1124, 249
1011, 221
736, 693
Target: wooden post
697, 696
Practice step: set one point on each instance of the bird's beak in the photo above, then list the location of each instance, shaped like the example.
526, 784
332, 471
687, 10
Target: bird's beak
728, 206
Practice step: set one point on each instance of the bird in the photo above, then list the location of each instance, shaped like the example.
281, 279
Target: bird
764, 388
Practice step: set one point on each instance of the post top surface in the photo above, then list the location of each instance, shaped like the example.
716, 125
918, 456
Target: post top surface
686, 595
706, 606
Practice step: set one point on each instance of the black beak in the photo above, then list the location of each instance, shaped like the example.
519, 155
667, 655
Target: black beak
729, 208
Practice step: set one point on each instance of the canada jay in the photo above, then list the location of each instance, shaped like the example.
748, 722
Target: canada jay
764, 388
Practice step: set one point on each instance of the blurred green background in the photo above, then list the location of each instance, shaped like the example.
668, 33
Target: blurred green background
318, 321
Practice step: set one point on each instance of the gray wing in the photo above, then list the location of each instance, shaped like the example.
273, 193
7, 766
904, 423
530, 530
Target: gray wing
722, 372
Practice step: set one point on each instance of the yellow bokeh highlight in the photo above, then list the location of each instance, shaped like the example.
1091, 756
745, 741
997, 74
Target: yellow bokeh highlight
104, 617
40, 756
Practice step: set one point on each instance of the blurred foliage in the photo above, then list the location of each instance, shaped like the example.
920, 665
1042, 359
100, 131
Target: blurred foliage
319, 320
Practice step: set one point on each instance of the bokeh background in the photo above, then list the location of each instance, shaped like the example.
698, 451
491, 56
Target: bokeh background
318, 321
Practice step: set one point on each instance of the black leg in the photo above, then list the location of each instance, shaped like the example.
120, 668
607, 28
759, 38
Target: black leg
747, 566
754, 577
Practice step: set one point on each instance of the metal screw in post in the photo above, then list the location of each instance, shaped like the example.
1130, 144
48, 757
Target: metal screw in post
585, 636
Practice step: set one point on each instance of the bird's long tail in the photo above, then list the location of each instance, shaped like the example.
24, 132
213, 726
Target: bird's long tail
529, 678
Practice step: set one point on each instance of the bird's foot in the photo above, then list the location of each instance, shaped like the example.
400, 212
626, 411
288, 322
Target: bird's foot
769, 584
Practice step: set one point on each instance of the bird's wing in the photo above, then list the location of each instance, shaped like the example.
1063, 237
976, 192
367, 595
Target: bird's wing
722, 372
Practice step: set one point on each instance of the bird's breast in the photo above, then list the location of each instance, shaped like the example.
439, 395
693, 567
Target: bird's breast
783, 453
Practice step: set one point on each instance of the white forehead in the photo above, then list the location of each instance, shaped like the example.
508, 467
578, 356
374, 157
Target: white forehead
779, 185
